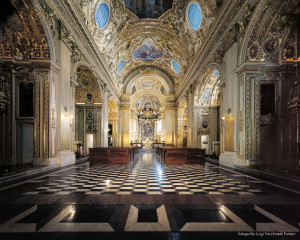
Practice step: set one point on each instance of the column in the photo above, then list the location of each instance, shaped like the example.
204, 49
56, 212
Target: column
170, 123
73, 84
104, 118
45, 116
124, 120
190, 118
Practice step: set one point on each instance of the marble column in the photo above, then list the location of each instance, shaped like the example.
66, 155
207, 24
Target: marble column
104, 118
73, 84
124, 120
190, 119
169, 125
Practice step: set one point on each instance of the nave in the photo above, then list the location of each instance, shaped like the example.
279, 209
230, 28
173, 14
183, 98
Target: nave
147, 199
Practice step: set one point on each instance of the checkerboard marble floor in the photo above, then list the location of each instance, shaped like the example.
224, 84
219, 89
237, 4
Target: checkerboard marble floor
119, 179
149, 200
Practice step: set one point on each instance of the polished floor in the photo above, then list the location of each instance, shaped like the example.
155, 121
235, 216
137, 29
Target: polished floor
148, 200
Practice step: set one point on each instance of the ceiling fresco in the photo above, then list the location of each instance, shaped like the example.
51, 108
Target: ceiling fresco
157, 35
148, 8
148, 51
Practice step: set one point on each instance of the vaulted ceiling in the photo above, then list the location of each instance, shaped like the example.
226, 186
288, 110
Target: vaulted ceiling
164, 36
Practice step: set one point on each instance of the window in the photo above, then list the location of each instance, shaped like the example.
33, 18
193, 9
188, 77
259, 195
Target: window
194, 15
102, 15
176, 66
120, 66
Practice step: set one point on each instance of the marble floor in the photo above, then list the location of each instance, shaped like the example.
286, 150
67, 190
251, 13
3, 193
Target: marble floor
148, 200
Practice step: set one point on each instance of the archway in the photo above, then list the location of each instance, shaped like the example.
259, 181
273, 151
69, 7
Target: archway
207, 103
88, 105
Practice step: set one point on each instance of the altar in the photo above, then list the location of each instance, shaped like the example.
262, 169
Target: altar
147, 126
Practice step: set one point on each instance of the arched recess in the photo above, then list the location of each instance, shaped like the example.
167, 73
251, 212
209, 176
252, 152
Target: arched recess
182, 124
28, 79
207, 103
113, 118
88, 109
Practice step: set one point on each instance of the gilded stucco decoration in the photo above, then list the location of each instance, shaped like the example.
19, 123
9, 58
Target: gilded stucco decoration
273, 38
112, 109
170, 35
23, 36
148, 101
87, 91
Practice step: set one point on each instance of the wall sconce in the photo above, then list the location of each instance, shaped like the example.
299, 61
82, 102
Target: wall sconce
223, 118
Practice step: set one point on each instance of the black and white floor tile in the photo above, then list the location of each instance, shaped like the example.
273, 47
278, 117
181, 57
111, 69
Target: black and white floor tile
118, 179
148, 200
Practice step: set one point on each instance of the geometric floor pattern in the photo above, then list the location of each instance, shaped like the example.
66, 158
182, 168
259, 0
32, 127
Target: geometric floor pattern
149, 200
149, 218
174, 179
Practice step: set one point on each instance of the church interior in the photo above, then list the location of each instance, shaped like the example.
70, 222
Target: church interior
167, 119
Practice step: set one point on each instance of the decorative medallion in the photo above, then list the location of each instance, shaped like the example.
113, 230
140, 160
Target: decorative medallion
148, 51
253, 50
90, 115
270, 46
102, 15
194, 15
204, 122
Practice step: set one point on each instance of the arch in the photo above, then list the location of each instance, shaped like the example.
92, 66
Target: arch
134, 98
47, 30
206, 88
257, 16
88, 90
164, 79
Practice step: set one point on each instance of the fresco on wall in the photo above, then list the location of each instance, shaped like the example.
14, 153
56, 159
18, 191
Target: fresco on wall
148, 51
148, 8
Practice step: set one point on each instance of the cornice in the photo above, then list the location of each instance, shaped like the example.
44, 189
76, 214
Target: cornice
263, 66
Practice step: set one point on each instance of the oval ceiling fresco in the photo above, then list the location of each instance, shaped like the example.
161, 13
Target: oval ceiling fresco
148, 51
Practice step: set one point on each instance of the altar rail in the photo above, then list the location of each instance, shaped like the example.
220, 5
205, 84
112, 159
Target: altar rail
111, 155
